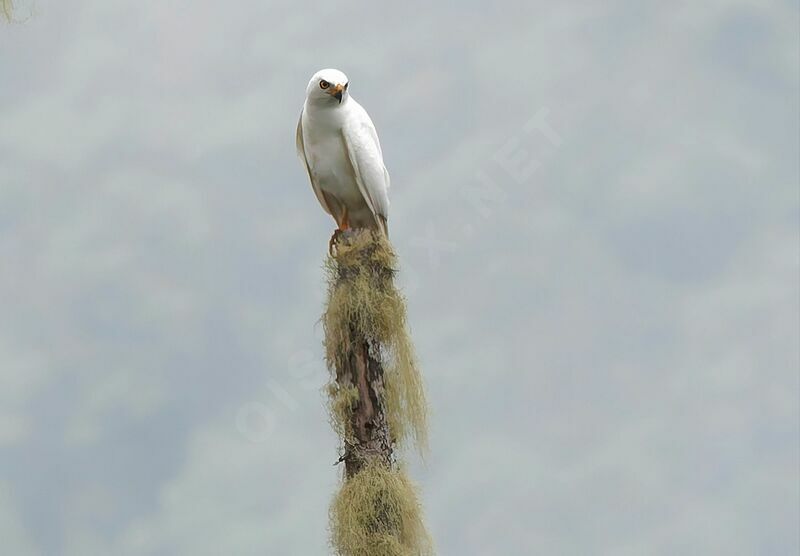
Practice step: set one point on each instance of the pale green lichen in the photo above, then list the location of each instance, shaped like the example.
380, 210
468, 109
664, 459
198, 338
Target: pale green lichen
377, 513
363, 302
342, 402
377, 510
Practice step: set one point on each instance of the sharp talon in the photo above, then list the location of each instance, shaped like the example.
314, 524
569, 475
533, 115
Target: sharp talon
334, 238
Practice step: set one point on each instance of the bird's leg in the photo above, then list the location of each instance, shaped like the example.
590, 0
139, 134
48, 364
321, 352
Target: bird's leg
343, 226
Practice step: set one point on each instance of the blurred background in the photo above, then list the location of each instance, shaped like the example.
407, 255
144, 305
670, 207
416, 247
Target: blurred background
596, 210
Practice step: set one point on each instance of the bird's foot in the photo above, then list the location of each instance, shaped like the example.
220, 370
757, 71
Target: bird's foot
334, 239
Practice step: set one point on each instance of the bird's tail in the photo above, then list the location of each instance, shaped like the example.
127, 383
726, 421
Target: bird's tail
383, 224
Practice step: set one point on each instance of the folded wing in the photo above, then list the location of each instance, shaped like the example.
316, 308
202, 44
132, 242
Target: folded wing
364, 151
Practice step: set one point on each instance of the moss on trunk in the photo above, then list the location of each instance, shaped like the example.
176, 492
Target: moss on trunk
377, 402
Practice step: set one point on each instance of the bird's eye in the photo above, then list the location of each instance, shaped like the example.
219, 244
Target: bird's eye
324, 84
346, 85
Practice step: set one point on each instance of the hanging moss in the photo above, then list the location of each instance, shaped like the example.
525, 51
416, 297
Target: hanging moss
342, 402
377, 513
6, 8
363, 302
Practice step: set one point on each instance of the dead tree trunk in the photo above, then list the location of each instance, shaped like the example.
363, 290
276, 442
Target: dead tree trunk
371, 439
376, 401
358, 367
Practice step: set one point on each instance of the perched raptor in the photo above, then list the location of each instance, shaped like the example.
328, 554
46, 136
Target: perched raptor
337, 142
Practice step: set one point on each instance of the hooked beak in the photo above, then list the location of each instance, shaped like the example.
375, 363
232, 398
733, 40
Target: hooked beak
337, 92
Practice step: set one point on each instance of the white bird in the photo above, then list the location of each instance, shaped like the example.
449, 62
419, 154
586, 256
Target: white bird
337, 142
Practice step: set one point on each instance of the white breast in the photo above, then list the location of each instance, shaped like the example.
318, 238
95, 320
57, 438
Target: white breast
328, 159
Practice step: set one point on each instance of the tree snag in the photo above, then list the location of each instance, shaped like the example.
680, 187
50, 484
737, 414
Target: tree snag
376, 400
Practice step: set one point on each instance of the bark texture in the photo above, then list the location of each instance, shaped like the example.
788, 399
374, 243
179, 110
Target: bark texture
360, 368
376, 400
371, 440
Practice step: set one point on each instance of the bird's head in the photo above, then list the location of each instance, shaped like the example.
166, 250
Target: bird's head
328, 86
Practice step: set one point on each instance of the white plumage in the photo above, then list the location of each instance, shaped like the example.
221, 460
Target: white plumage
337, 141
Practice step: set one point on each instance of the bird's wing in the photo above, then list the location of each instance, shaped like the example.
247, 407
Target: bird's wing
301, 152
364, 151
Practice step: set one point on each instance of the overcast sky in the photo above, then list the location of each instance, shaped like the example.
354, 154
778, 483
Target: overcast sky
596, 210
